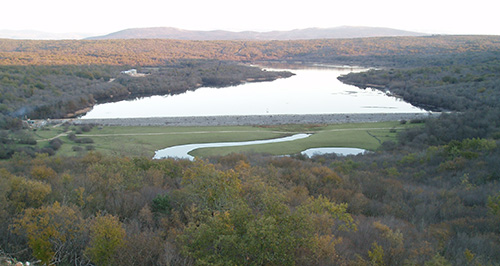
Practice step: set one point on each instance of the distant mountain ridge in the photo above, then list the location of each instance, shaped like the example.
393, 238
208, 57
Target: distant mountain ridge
298, 34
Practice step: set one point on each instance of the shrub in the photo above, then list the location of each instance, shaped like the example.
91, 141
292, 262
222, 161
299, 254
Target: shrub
86, 128
48, 150
90, 147
72, 136
55, 144
77, 148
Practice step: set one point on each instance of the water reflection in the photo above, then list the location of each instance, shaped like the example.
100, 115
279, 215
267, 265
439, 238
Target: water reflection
310, 91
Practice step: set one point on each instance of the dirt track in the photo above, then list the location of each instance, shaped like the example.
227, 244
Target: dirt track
254, 120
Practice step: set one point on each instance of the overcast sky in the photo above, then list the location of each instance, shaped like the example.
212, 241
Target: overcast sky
106, 16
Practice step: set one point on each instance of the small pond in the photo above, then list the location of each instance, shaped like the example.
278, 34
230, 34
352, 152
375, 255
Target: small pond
342, 151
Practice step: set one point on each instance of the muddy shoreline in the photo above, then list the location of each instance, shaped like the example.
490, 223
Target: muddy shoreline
255, 120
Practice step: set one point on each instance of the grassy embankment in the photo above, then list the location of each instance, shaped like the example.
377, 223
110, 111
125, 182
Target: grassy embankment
143, 141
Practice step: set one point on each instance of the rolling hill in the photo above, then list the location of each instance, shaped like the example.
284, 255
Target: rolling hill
298, 34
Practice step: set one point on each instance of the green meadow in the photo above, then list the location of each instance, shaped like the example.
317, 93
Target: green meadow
145, 140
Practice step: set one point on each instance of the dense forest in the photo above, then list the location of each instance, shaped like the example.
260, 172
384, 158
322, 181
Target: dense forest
363, 51
431, 198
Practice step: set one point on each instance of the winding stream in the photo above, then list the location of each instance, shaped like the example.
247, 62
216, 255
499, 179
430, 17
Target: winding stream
182, 151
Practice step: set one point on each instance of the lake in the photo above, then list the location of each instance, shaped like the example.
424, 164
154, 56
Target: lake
309, 91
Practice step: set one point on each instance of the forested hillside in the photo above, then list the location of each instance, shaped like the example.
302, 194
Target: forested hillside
465, 84
459, 82
430, 198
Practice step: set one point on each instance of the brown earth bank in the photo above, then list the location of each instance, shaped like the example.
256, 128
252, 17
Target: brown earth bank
257, 120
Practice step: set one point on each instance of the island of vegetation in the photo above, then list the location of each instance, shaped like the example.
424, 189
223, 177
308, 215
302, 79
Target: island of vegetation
427, 194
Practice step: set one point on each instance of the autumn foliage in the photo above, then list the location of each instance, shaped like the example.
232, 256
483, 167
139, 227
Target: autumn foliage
439, 204
148, 52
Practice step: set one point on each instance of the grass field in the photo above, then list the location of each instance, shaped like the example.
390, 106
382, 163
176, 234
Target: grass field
367, 136
144, 141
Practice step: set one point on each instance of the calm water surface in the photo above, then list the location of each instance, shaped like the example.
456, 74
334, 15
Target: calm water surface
310, 91
337, 150
182, 151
